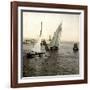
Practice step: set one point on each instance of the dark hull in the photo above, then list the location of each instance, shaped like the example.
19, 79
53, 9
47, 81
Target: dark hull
75, 49
30, 55
54, 48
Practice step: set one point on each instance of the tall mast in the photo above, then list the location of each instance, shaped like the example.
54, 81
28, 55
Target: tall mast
41, 30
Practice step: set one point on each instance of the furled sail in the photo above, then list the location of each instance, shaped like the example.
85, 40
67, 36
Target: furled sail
55, 42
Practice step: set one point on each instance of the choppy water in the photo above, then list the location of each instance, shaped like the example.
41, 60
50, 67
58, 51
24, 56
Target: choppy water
63, 62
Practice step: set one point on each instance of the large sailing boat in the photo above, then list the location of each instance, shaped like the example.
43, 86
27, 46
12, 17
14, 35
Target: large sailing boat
55, 42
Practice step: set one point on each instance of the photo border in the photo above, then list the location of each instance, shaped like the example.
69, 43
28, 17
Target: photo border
14, 43
20, 33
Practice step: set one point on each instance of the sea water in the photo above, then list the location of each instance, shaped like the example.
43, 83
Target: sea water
62, 62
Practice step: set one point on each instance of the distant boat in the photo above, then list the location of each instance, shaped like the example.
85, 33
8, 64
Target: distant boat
75, 47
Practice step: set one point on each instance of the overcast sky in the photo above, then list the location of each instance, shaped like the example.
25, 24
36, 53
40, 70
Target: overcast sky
32, 25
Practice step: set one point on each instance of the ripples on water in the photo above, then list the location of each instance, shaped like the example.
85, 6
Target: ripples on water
62, 62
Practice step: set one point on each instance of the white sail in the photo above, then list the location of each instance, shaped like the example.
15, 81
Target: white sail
56, 37
37, 47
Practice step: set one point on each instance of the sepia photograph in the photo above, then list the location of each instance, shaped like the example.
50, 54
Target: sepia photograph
50, 43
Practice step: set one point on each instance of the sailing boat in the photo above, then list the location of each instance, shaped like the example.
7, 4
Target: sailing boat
37, 49
55, 42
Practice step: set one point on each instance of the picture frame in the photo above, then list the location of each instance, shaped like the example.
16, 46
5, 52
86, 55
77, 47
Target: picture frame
20, 13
